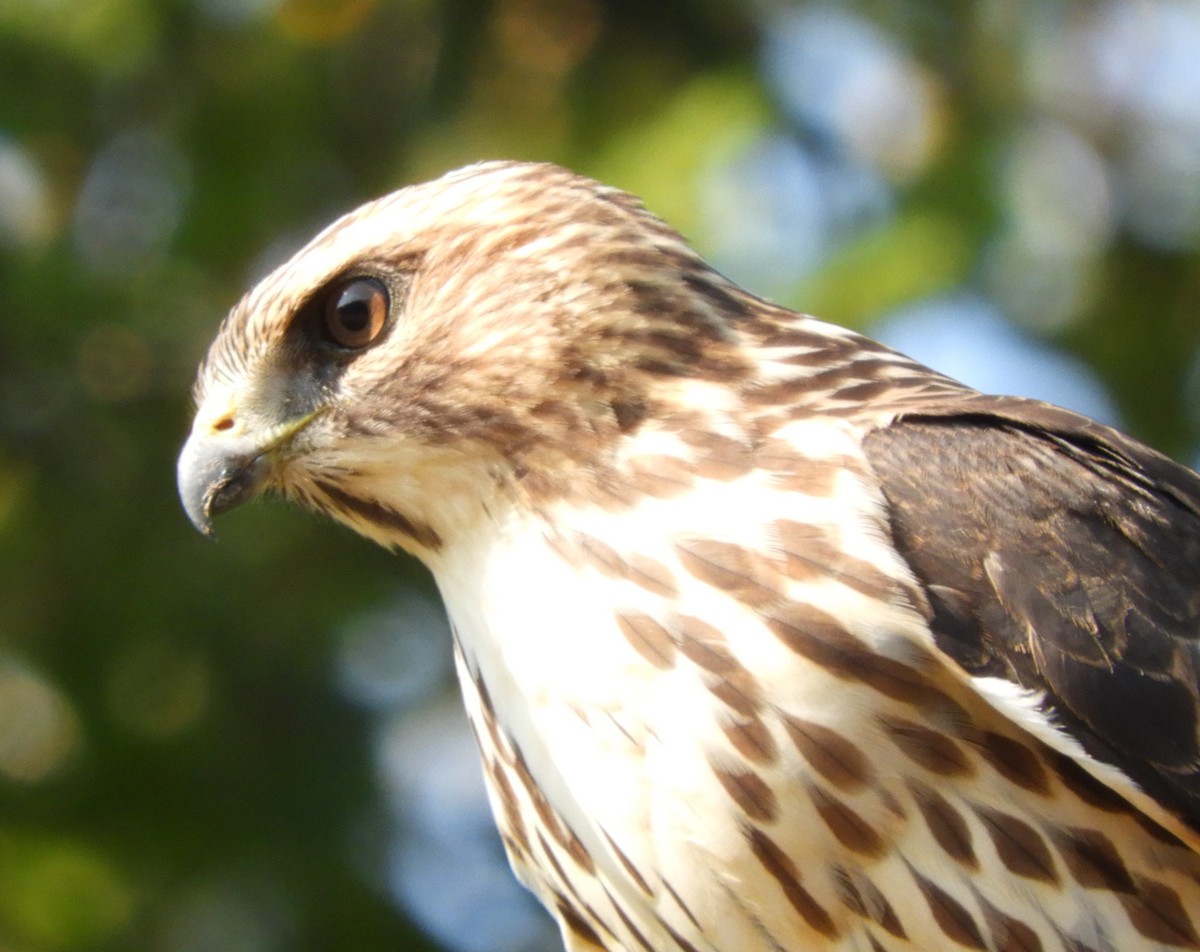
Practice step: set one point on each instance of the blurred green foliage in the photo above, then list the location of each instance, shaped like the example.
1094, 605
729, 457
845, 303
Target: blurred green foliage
172, 741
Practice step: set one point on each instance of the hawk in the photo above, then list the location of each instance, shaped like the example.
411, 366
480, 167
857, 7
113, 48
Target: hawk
771, 638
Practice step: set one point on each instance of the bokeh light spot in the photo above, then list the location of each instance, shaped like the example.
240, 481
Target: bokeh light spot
40, 729
547, 36
708, 120
131, 202
113, 363
1058, 191
842, 77
13, 480
159, 688
395, 655
321, 21
62, 894
25, 218
239, 911
111, 36
238, 11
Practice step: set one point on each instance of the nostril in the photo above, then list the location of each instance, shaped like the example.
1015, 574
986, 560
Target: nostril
223, 424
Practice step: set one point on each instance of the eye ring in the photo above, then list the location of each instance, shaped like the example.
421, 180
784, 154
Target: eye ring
355, 312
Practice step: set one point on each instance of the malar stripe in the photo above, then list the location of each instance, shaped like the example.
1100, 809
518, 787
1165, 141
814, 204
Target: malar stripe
383, 516
781, 868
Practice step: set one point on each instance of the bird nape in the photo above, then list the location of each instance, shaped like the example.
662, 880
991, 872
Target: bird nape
771, 637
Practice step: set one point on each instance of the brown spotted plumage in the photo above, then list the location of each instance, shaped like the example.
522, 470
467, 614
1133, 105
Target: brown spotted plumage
771, 638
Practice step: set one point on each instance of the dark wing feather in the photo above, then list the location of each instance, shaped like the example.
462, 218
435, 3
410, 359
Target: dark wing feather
1060, 554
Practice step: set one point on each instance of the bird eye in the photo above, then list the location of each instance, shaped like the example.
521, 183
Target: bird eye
355, 312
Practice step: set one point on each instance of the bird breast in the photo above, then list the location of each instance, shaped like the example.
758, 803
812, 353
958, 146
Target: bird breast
611, 706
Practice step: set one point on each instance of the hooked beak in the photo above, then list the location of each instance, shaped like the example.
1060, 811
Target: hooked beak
220, 468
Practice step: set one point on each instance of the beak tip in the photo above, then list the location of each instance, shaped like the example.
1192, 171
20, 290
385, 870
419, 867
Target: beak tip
203, 525
213, 480
196, 509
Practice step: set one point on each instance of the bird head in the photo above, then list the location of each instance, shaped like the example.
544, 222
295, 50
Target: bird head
440, 353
